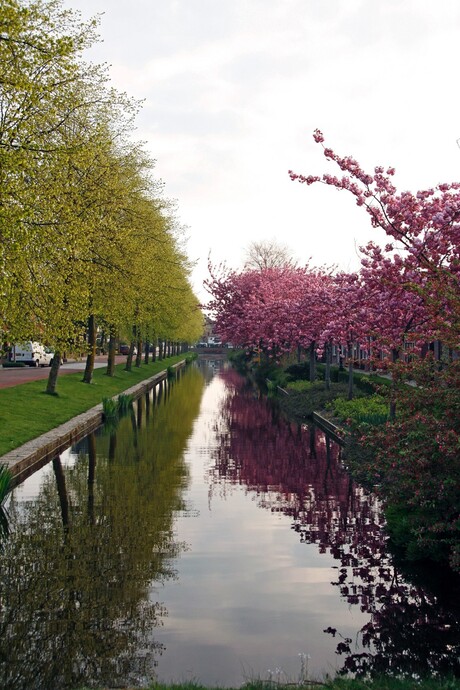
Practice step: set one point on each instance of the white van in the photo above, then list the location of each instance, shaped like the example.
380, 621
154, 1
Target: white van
32, 353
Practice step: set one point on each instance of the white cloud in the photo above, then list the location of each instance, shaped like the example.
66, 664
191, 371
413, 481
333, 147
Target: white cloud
233, 91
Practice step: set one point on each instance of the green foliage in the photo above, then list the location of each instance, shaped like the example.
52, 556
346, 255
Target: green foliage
371, 409
81, 211
115, 408
191, 357
13, 365
300, 404
299, 371
268, 370
272, 388
124, 403
5, 482
240, 360
110, 408
301, 385
415, 461
367, 383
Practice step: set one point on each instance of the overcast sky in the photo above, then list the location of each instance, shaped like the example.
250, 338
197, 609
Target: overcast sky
233, 90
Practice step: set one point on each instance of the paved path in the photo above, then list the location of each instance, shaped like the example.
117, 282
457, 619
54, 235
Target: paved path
17, 375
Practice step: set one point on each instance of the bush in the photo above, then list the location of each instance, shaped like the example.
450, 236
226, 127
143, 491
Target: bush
240, 359
364, 410
300, 371
110, 408
415, 461
300, 404
5, 482
13, 365
299, 385
271, 371
124, 403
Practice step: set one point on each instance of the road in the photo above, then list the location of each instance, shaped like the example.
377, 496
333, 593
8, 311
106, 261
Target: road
17, 375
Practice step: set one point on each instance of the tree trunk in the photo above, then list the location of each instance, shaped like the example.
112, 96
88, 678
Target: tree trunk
328, 366
111, 356
394, 359
88, 375
350, 370
154, 350
160, 349
53, 375
165, 345
139, 352
103, 342
146, 351
312, 361
129, 358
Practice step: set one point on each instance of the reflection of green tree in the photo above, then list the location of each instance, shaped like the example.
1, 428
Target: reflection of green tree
77, 571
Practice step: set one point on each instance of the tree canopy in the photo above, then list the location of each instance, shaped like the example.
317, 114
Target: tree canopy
85, 229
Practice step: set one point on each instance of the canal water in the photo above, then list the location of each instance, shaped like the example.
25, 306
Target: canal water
206, 538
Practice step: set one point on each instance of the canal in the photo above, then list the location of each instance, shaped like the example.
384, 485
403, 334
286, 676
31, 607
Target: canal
206, 538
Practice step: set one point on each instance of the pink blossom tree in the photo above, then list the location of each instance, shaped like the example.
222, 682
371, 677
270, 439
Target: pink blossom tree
425, 226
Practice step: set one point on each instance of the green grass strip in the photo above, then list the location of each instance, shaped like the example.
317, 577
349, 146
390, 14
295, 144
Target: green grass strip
26, 411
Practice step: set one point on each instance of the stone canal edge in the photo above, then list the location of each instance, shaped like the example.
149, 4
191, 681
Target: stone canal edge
27, 459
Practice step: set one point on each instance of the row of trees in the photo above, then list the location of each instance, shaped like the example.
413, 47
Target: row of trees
405, 296
406, 293
87, 236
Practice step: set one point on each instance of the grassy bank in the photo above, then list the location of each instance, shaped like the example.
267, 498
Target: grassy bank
26, 411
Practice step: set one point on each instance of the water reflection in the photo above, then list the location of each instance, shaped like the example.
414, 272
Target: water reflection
93, 590
77, 570
296, 471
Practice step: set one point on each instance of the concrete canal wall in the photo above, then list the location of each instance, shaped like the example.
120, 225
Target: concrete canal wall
27, 459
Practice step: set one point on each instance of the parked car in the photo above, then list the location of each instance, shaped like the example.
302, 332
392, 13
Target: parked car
50, 353
32, 353
123, 349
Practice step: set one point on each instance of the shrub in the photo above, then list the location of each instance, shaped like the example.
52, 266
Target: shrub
365, 410
300, 404
110, 408
124, 403
298, 371
5, 482
240, 359
299, 385
415, 461
13, 365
